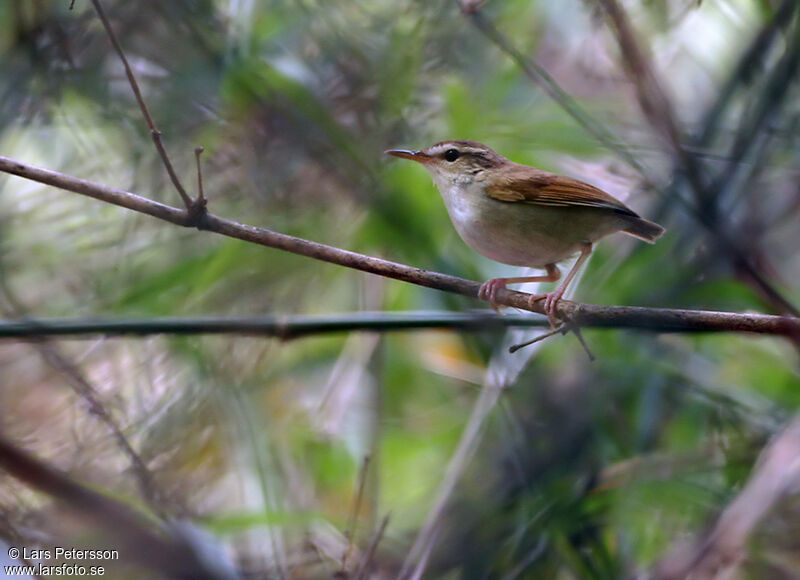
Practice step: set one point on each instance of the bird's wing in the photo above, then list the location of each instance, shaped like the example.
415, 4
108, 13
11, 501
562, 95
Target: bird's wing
543, 188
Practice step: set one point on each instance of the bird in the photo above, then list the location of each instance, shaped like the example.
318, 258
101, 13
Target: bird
523, 216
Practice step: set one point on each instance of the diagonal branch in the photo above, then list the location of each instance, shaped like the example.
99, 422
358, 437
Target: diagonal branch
548, 84
718, 554
136, 538
772, 98
154, 132
84, 389
749, 63
652, 97
579, 314
657, 108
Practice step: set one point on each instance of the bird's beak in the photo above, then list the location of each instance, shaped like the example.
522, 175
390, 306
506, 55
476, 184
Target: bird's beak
419, 156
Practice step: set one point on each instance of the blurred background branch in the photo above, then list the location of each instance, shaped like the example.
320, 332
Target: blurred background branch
720, 552
297, 326
134, 539
91, 397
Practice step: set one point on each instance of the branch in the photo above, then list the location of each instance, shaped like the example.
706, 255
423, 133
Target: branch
717, 554
291, 327
658, 319
154, 132
283, 327
366, 563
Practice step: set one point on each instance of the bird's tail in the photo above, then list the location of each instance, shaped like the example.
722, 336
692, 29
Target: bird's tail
644, 230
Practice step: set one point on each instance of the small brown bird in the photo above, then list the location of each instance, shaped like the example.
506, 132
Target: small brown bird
523, 216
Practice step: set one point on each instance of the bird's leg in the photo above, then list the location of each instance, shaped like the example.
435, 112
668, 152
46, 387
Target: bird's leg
488, 290
553, 298
553, 274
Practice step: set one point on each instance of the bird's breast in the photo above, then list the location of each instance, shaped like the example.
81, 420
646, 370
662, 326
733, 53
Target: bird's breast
518, 234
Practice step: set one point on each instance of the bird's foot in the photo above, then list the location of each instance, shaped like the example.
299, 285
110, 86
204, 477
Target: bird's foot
488, 291
534, 298
551, 301
550, 304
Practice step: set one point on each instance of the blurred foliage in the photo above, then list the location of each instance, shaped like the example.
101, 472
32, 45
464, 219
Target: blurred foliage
586, 470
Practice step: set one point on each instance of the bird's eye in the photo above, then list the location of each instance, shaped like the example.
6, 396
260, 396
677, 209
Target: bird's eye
451, 155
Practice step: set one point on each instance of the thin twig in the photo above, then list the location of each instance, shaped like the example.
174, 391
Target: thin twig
201, 196
366, 563
560, 330
154, 132
663, 320
350, 532
579, 335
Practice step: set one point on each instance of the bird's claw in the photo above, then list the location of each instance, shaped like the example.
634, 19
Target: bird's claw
551, 300
488, 291
551, 308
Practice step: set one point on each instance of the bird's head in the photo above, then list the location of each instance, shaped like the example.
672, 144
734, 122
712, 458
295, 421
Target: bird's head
454, 161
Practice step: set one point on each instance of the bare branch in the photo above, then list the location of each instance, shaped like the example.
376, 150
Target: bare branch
201, 196
664, 320
350, 531
562, 329
366, 564
298, 326
717, 554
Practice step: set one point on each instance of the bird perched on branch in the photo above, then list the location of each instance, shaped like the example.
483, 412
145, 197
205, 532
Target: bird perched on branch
523, 216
